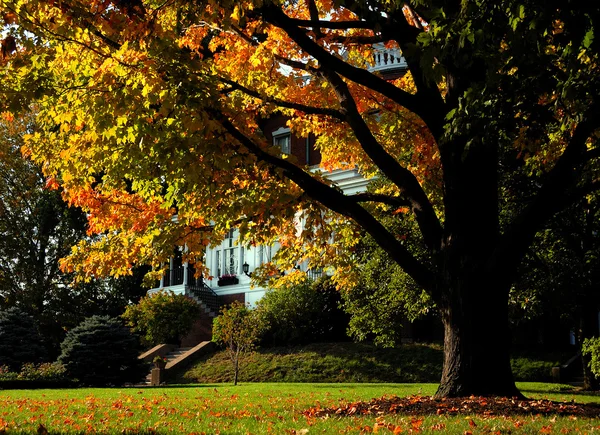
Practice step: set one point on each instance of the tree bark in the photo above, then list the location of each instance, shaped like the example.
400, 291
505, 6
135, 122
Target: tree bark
236, 368
476, 344
473, 292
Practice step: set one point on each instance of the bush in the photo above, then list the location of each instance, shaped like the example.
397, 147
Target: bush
304, 313
20, 341
45, 375
102, 351
591, 347
162, 317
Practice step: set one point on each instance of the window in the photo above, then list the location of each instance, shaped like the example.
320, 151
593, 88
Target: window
264, 254
227, 256
282, 138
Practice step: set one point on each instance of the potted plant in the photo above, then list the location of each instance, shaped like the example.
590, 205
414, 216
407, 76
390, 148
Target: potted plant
160, 362
227, 279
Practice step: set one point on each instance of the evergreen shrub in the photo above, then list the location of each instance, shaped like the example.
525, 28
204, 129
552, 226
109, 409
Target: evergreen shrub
591, 347
101, 351
20, 340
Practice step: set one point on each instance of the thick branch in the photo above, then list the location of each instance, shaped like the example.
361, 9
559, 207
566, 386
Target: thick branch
394, 201
399, 29
334, 25
416, 104
339, 203
421, 206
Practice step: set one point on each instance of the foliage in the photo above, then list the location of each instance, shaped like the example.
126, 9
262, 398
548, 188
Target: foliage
561, 274
37, 228
303, 313
35, 372
150, 109
20, 340
591, 347
238, 328
384, 296
270, 408
162, 317
102, 351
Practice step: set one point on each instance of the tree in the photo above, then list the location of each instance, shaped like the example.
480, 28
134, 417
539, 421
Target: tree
238, 328
162, 317
20, 340
560, 275
149, 109
102, 351
37, 229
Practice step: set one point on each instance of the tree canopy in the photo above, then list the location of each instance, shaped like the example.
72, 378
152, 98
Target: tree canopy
149, 109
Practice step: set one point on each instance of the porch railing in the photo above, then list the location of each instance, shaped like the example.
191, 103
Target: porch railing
387, 59
206, 295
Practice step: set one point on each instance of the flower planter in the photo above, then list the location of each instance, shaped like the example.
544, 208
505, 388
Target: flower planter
160, 363
228, 280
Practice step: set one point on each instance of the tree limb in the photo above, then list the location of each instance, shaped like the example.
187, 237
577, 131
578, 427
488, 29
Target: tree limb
421, 206
416, 104
557, 192
394, 201
339, 203
287, 104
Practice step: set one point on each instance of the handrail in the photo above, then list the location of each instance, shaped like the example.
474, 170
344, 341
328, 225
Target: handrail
206, 295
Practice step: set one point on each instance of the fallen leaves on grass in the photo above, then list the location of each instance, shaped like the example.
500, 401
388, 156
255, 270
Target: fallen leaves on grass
486, 406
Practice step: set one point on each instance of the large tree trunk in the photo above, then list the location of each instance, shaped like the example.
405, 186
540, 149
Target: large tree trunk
476, 344
474, 288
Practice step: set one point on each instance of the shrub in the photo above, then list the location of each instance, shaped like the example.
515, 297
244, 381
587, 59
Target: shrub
238, 329
591, 347
20, 341
44, 375
102, 351
162, 317
304, 313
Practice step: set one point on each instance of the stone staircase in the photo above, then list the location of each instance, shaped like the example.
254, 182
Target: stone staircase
205, 297
177, 357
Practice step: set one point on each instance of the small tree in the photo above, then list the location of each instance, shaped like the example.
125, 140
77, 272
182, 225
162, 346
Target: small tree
238, 328
163, 317
102, 351
20, 341
591, 348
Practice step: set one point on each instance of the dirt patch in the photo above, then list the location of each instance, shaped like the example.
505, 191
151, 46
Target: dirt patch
485, 406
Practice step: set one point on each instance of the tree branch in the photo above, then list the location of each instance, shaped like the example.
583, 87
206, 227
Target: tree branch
394, 201
339, 203
416, 104
287, 104
333, 25
421, 206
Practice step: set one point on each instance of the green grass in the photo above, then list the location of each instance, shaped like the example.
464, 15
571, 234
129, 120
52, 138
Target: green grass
256, 409
353, 362
326, 362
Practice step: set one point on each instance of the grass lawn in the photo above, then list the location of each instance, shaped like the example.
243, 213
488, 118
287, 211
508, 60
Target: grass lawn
259, 409
353, 362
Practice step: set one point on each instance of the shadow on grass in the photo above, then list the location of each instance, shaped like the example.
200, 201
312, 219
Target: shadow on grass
563, 390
